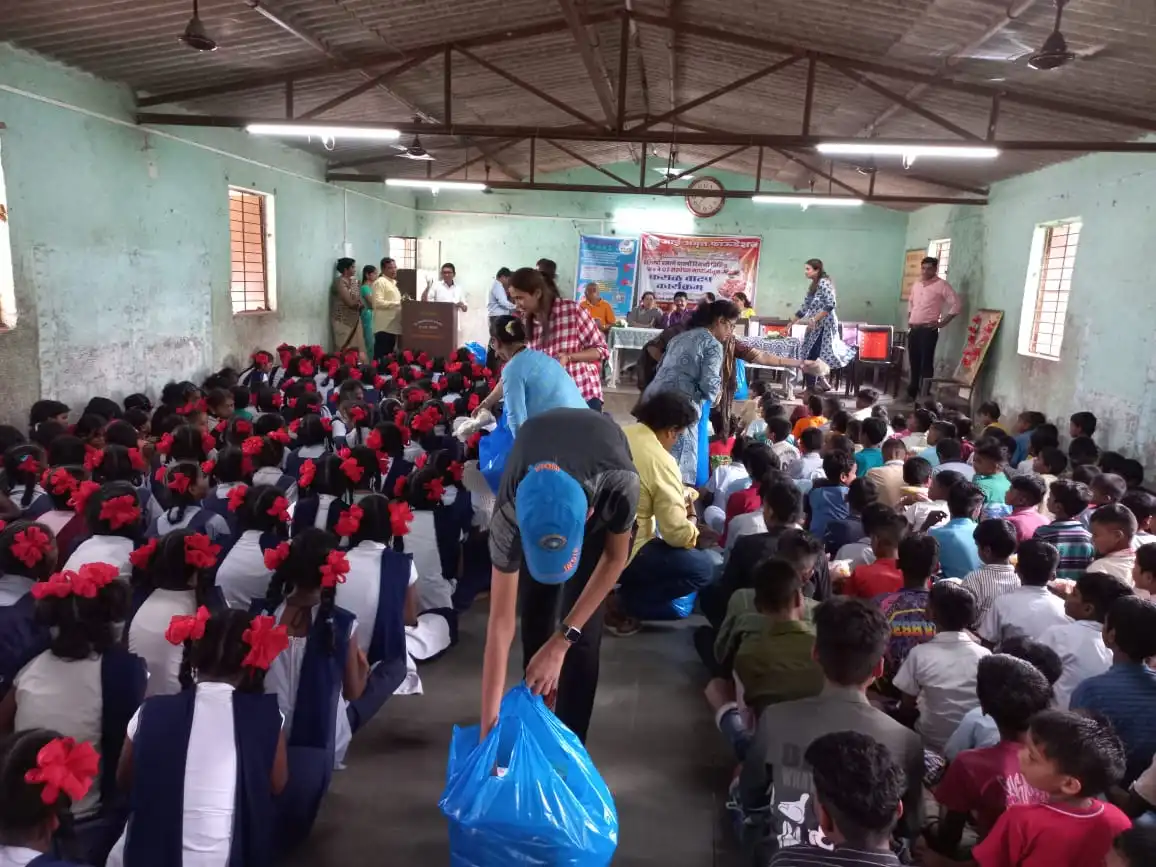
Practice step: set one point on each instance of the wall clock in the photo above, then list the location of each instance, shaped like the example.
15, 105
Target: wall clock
704, 206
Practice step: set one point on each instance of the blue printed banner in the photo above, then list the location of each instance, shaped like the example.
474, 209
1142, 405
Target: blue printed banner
612, 263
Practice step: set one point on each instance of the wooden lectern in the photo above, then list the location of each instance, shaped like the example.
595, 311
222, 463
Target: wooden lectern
431, 326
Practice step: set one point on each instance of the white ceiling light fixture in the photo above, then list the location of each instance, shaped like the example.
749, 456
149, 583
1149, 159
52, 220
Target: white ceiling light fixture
672, 172
435, 186
911, 151
324, 133
807, 201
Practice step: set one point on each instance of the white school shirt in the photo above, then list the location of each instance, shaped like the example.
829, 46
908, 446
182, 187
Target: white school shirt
361, 592
942, 672
324, 502
1118, 564
1080, 645
439, 291
744, 525
723, 476
433, 590
56, 520
17, 856
13, 588
66, 696
17, 496
146, 638
965, 470
785, 451
271, 476
243, 576
114, 550
917, 513
1024, 613
311, 453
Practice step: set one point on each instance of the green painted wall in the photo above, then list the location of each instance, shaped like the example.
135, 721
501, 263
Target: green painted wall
1108, 358
121, 242
480, 232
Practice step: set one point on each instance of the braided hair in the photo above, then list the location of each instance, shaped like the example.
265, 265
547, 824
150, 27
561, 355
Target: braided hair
254, 511
24, 817
168, 569
311, 432
437, 468
10, 564
392, 442
219, 654
99, 526
116, 466
371, 477
376, 525
329, 478
60, 498
358, 431
268, 423
121, 433
22, 466
81, 627
188, 445
271, 455
190, 496
229, 468
301, 572
237, 430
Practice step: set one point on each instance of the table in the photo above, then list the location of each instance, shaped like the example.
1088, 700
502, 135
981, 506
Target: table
785, 347
627, 338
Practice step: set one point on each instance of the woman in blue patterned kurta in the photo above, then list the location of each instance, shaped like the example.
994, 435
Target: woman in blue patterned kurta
824, 340
692, 366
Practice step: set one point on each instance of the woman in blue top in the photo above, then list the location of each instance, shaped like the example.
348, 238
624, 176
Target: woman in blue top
824, 339
532, 381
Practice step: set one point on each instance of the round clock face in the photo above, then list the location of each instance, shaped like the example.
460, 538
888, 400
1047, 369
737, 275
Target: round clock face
701, 205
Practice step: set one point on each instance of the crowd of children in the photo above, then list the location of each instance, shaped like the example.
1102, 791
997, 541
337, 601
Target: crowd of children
979, 650
203, 601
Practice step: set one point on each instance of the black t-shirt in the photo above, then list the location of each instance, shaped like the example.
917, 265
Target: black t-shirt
591, 448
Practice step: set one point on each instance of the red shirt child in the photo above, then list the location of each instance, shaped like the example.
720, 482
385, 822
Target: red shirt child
986, 782
882, 576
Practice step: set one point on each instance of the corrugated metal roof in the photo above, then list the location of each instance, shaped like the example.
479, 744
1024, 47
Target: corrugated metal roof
135, 42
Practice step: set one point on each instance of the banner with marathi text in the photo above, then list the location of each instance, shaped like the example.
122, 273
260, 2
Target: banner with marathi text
694, 264
611, 263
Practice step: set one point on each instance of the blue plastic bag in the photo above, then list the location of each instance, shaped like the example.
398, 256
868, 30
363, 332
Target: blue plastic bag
493, 451
675, 609
741, 392
702, 431
528, 795
477, 351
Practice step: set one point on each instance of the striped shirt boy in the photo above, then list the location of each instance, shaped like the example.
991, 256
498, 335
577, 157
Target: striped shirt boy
1074, 542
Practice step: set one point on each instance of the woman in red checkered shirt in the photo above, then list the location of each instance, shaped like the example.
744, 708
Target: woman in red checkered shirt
559, 327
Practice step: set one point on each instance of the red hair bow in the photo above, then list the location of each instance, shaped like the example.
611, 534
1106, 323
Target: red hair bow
220, 426
265, 640
274, 557
332, 366
405, 436
335, 569
91, 578
422, 423
305, 368
440, 385
31, 546
327, 424
457, 470
373, 441
237, 497
284, 356
423, 357
473, 402
476, 370
399, 486
295, 426
292, 403
59, 584
344, 453
165, 444
179, 482
317, 352
306, 474
407, 356
60, 482
352, 469
63, 765
141, 557
356, 374
160, 475
207, 467
351, 357
453, 366
393, 367
475, 438
186, 409
137, 460
379, 382
200, 552
252, 446
279, 436
208, 443
80, 496
400, 515
436, 489
280, 509
93, 458
188, 627
401, 383
399, 417
277, 400
243, 427
120, 511
261, 357
421, 460
358, 414
349, 522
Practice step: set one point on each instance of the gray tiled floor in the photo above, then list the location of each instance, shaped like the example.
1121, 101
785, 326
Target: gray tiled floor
651, 737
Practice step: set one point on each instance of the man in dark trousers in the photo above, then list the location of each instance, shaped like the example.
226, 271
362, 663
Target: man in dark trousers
933, 304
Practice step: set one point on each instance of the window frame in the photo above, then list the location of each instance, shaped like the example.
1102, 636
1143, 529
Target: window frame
1036, 295
268, 251
940, 248
9, 309
406, 257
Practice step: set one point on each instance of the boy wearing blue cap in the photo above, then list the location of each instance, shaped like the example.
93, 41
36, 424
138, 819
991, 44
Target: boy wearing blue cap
561, 537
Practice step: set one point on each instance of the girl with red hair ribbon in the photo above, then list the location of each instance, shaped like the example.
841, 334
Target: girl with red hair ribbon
113, 517
325, 488
188, 486
202, 766
267, 461
244, 572
64, 520
86, 685
314, 680
28, 555
23, 466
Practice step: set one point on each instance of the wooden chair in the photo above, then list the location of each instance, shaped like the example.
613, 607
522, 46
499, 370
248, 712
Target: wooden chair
879, 350
849, 331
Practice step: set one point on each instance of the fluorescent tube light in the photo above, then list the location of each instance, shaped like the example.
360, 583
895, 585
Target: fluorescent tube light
807, 201
323, 132
435, 186
911, 151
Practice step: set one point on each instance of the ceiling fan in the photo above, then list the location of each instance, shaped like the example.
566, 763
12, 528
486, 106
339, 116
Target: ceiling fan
413, 151
1010, 46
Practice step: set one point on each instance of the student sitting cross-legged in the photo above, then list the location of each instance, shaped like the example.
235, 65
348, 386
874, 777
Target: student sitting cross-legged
1030, 610
995, 539
1067, 500
1113, 528
883, 575
906, 608
958, 552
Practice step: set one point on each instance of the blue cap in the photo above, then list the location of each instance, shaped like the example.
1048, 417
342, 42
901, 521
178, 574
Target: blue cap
551, 507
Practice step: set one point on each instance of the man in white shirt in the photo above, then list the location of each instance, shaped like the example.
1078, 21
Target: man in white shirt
1033, 609
446, 290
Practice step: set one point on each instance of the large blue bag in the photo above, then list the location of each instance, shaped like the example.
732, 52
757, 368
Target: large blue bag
477, 351
528, 795
741, 390
493, 451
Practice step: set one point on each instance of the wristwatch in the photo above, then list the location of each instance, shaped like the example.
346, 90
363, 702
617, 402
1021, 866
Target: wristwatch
569, 633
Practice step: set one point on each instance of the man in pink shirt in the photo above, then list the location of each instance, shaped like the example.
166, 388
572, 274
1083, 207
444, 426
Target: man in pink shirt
930, 295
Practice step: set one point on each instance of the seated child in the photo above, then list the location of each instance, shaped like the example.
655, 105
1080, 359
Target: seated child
728, 477
1046, 436
1080, 641
64, 520
873, 433
906, 609
267, 459
321, 672
1133, 848
918, 425
988, 462
244, 571
995, 539
1049, 465
762, 466
86, 684
1113, 528
1142, 505
987, 415
888, 478
915, 496
812, 415
28, 555
780, 440
949, 457
1083, 452
118, 463
861, 493
188, 486
1125, 695
1144, 572
981, 784
313, 440
1027, 422
958, 552
113, 517
1025, 495
883, 575
326, 486
865, 400
827, 500
938, 676
1067, 500
1031, 609
35, 812
1082, 424
223, 728
1069, 759
23, 465
1106, 488
809, 465
940, 431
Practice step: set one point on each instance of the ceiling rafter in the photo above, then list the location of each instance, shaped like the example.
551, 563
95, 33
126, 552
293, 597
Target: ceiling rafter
591, 59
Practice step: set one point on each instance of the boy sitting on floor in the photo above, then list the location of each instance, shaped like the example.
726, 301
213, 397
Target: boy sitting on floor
996, 540
888, 478
883, 575
1032, 609
1067, 500
1113, 527
958, 553
1024, 496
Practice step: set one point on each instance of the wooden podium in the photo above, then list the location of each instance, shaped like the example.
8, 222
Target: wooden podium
431, 326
